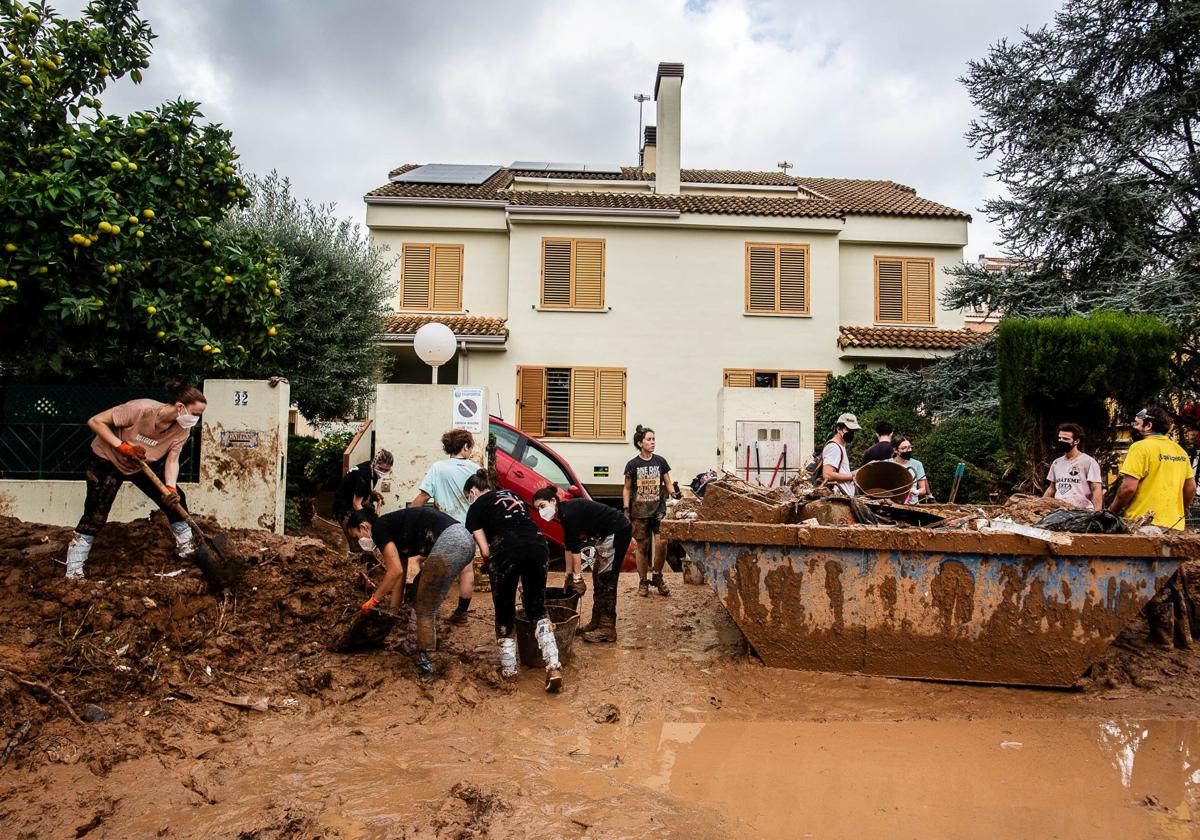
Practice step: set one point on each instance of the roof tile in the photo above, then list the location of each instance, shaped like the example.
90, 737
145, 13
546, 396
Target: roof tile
907, 338
406, 323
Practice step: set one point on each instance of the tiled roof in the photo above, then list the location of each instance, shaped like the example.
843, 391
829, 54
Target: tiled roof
907, 338
835, 196
403, 323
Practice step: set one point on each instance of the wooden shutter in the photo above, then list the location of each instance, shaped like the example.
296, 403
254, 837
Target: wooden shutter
889, 290
588, 281
531, 400
818, 380
611, 414
556, 272
918, 291
447, 277
790, 379
760, 279
793, 279
739, 378
415, 266
583, 402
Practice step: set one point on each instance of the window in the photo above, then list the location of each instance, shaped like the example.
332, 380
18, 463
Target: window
777, 278
904, 290
506, 438
431, 277
572, 273
578, 402
544, 464
751, 378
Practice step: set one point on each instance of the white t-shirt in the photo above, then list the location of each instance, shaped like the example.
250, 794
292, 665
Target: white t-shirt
1073, 479
835, 455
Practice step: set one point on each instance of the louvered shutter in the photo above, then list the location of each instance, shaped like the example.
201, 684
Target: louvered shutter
531, 400
739, 378
790, 379
760, 279
583, 402
918, 291
556, 272
818, 380
611, 419
889, 290
589, 274
447, 277
414, 276
793, 279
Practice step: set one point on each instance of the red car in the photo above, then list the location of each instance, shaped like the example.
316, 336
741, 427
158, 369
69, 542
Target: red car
525, 464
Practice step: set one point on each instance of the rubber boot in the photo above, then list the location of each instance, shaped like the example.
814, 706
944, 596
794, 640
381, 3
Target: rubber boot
425, 669
77, 554
184, 544
544, 633
644, 588
661, 584
605, 632
508, 657
592, 624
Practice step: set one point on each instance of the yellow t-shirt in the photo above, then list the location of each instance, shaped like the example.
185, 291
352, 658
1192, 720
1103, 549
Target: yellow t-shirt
1162, 467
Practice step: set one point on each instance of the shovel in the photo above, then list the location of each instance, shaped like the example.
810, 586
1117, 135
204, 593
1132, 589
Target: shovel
366, 631
218, 565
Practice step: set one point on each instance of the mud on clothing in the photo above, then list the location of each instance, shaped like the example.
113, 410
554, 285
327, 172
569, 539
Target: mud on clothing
136, 423
104, 479
648, 476
518, 559
610, 554
413, 530
501, 515
452, 551
357, 483
586, 521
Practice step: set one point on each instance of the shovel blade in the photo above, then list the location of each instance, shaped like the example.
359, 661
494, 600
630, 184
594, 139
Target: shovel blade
221, 568
367, 631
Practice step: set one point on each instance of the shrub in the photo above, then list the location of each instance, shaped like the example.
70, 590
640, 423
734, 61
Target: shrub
856, 392
324, 469
973, 440
300, 453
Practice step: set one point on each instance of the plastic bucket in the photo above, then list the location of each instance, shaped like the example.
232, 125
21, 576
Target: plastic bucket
571, 602
565, 621
883, 480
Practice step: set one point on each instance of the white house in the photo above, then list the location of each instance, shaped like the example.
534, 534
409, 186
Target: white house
591, 298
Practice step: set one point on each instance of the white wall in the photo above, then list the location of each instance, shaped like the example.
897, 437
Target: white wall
769, 405
857, 265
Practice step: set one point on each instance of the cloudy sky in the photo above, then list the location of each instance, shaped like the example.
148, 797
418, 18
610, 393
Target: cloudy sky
334, 94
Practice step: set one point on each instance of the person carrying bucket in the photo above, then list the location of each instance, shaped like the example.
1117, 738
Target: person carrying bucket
514, 551
443, 545
139, 430
604, 527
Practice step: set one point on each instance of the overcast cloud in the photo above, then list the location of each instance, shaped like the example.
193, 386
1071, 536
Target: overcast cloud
334, 94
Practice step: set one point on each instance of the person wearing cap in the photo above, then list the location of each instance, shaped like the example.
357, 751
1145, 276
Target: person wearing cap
1157, 475
835, 457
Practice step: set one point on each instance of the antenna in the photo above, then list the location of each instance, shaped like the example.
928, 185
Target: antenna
640, 99
784, 166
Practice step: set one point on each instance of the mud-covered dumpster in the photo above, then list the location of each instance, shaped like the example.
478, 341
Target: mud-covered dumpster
929, 604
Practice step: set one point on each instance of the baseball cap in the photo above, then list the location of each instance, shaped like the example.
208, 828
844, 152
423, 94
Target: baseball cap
849, 421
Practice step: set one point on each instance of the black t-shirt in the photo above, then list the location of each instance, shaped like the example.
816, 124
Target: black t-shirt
501, 515
880, 450
646, 494
583, 519
414, 530
358, 482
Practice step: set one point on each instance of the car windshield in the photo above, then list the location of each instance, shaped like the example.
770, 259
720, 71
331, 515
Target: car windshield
541, 462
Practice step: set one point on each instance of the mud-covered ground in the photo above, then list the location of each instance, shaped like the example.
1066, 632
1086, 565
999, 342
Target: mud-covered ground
227, 717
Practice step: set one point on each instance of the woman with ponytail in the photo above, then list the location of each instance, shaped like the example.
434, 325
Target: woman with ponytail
647, 482
139, 430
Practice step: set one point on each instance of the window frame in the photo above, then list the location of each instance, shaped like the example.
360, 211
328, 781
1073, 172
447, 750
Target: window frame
597, 370
779, 248
433, 249
905, 320
572, 274
779, 374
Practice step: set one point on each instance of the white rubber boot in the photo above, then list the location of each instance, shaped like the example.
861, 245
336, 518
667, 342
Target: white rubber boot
77, 554
508, 657
544, 632
184, 544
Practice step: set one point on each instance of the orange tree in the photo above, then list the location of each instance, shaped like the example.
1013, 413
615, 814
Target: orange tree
112, 263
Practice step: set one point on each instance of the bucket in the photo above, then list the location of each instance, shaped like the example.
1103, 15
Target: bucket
883, 480
565, 621
571, 602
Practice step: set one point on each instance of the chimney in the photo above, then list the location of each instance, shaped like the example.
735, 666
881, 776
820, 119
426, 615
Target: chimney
667, 90
649, 150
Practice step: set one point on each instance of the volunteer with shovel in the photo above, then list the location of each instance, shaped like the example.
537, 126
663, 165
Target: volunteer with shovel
139, 430
444, 548
514, 551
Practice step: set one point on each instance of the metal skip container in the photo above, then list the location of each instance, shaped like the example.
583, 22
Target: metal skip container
921, 603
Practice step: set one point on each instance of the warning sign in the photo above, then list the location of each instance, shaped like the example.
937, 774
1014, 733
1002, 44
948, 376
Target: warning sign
468, 412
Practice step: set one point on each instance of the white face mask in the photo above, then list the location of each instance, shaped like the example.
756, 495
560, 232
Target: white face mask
186, 421
547, 512
366, 544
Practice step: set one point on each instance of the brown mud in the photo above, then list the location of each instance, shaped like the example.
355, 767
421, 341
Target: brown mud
228, 717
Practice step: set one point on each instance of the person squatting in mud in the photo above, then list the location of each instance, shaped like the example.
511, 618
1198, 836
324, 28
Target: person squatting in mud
644, 498
126, 436
443, 484
356, 491
605, 528
443, 547
514, 551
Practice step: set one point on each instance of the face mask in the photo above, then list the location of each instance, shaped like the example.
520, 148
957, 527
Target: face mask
366, 544
1063, 446
1137, 434
904, 456
186, 421
547, 512
848, 436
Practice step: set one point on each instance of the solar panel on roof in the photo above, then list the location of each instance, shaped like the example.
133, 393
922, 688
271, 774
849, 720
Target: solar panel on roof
529, 165
573, 168
606, 168
448, 173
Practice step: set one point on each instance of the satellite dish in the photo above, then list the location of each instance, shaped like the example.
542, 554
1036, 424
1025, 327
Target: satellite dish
435, 345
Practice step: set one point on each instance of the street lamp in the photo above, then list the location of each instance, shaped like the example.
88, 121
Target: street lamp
435, 344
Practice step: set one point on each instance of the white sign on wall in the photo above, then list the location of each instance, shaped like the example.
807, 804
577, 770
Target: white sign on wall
468, 411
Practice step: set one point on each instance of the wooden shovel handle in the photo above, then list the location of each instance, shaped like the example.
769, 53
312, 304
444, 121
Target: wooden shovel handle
162, 488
